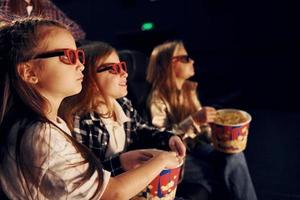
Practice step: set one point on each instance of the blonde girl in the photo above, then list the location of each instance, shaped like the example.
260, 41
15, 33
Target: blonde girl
173, 104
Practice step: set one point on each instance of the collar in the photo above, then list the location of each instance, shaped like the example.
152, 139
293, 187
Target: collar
121, 117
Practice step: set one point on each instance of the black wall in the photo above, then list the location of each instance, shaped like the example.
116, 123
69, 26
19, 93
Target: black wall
246, 52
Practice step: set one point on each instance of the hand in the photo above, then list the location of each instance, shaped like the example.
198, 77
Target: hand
205, 115
169, 158
176, 145
133, 159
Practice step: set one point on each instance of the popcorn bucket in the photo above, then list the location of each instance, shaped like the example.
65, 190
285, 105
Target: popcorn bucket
163, 187
230, 130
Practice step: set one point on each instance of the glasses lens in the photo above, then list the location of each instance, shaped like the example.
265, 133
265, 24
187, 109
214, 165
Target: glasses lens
186, 59
72, 56
114, 69
124, 67
81, 56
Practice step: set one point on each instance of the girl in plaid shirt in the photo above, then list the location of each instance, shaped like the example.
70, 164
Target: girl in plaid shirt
102, 119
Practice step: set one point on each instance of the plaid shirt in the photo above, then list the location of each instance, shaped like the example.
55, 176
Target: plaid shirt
50, 11
90, 130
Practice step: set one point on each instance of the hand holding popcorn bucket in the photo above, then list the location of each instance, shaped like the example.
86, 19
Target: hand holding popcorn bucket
230, 130
163, 187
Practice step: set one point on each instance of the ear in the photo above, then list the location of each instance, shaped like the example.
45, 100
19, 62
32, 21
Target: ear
27, 73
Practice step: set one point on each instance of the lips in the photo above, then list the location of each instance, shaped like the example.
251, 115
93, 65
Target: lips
80, 78
123, 84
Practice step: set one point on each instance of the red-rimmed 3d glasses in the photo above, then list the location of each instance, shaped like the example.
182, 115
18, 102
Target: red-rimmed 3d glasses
182, 58
114, 68
67, 56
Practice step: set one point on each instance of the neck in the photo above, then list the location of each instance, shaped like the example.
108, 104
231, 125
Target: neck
52, 110
53, 104
102, 105
179, 83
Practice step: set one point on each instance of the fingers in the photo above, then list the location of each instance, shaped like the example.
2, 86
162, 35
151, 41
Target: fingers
179, 160
180, 148
177, 145
210, 114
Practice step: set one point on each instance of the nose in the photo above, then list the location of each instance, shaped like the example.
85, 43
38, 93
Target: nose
123, 73
80, 66
192, 61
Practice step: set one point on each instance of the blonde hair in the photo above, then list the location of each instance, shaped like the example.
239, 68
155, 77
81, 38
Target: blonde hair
161, 75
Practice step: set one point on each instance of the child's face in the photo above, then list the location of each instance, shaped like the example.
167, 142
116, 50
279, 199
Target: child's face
183, 69
55, 78
111, 84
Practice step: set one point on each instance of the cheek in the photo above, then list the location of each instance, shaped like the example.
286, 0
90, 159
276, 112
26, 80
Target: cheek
107, 84
179, 71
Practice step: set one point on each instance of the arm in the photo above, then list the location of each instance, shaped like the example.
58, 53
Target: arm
130, 183
160, 117
62, 168
59, 166
190, 125
145, 136
142, 135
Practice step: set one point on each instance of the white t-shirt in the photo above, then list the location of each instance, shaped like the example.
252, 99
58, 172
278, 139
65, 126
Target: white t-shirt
46, 146
117, 136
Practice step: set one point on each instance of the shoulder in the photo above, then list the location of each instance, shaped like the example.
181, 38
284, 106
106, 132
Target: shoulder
125, 103
87, 116
41, 137
157, 98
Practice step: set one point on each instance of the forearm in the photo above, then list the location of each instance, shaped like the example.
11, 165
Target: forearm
188, 123
128, 184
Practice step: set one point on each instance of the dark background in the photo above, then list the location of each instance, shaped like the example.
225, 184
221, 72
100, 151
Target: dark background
246, 56
247, 48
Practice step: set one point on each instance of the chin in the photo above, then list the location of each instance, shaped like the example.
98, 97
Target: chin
122, 94
76, 91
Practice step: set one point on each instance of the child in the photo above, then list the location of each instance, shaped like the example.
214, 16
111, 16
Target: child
40, 66
111, 127
173, 104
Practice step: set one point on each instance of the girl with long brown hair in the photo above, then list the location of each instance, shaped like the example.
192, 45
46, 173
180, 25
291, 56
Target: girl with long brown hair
105, 121
173, 104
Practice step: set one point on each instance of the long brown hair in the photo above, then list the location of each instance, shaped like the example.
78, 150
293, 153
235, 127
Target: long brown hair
161, 75
84, 102
22, 106
18, 7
